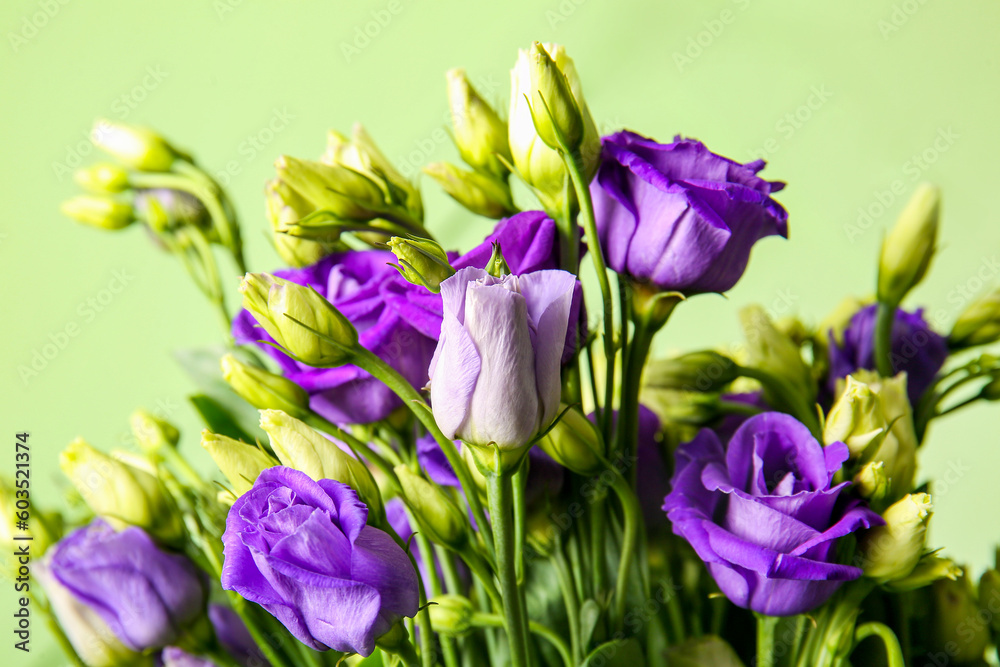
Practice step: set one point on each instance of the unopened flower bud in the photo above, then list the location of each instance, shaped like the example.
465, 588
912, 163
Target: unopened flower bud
480, 134
892, 551
152, 433
102, 178
345, 192
872, 482
574, 442
909, 247
497, 266
299, 320
120, 492
930, 568
704, 370
421, 261
303, 448
979, 324
553, 107
101, 212
239, 462
483, 195
136, 147
856, 419
956, 626
451, 614
285, 207
264, 390
44, 529
436, 513
165, 209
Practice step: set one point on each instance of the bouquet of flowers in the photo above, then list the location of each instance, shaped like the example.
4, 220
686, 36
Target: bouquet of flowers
429, 457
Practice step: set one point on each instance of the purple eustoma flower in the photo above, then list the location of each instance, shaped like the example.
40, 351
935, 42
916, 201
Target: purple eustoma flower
916, 349
679, 217
302, 549
763, 515
495, 377
398, 321
145, 595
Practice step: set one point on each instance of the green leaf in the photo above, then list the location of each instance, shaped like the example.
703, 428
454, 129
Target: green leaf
590, 614
707, 651
217, 419
617, 653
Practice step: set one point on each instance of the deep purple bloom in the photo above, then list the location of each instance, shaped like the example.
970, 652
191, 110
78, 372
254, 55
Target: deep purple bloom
234, 636
762, 514
916, 349
302, 550
495, 377
679, 217
145, 595
398, 321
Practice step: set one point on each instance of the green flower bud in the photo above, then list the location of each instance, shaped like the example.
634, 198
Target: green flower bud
872, 482
303, 448
539, 165
102, 178
929, 569
909, 247
856, 419
285, 207
956, 625
152, 433
101, 212
451, 614
136, 147
893, 550
575, 443
979, 324
483, 195
119, 492
771, 351
479, 132
434, 511
705, 371
264, 390
553, 107
346, 193
296, 316
497, 266
989, 598
421, 261
239, 462
692, 408
360, 154
45, 529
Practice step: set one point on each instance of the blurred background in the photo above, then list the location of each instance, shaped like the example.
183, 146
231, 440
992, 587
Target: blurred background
849, 105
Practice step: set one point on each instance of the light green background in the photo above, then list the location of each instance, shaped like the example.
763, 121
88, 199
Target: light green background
884, 80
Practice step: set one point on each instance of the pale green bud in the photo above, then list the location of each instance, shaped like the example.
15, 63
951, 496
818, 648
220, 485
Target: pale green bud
451, 614
346, 193
773, 352
929, 569
92, 639
989, 597
119, 492
102, 178
241, 463
540, 166
435, 512
705, 371
136, 147
165, 209
856, 419
872, 482
956, 626
303, 448
575, 443
285, 207
497, 266
979, 324
361, 154
892, 551
483, 195
101, 212
554, 109
909, 247
44, 529
264, 390
480, 134
296, 316
421, 261
152, 433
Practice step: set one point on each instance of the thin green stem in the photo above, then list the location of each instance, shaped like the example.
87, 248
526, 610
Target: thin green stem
407, 653
893, 652
884, 320
565, 577
447, 645
765, 640
494, 621
309, 656
385, 373
518, 482
632, 513
241, 607
598, 536
500, 495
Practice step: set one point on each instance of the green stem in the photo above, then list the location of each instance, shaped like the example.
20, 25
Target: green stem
500, 495
424, 544
407, 653
632, 512
240, 606
173, 458
893, 652
565, 577
309, 656
518, 483
628, 415
765, 640
367, 361
598, 535
884, 320
493, 621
